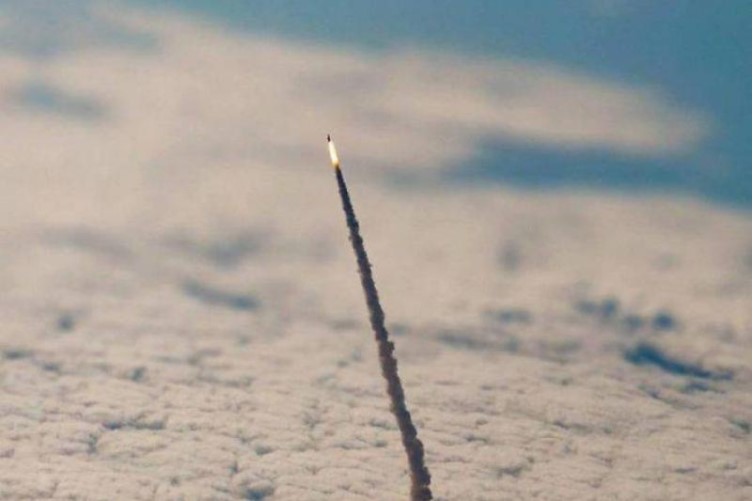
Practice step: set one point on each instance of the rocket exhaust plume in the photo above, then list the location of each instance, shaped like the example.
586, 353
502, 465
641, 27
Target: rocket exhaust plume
420, 477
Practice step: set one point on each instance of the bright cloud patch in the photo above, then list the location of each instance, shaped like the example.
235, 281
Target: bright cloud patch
202, 94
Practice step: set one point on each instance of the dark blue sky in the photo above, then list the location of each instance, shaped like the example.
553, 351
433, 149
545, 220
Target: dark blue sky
697, 53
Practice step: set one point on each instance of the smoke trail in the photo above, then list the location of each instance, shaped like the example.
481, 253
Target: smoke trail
420, 477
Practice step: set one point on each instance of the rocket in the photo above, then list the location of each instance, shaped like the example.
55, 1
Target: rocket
333, 153
414, 448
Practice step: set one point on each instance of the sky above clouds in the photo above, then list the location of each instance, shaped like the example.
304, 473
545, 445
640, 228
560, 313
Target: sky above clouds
636, 96
695, 55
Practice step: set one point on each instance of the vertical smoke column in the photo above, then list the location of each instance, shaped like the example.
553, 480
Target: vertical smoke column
420, 478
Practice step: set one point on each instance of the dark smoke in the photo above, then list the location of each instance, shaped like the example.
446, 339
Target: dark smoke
420, 477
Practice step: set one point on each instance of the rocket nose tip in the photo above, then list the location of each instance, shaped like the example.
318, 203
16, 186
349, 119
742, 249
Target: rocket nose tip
329, 139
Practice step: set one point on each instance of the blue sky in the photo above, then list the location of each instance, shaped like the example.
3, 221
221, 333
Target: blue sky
695, 53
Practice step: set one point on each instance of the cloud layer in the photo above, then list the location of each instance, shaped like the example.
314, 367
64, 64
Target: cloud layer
182, 316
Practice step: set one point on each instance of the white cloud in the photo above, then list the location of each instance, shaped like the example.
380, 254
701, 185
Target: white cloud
204, 93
